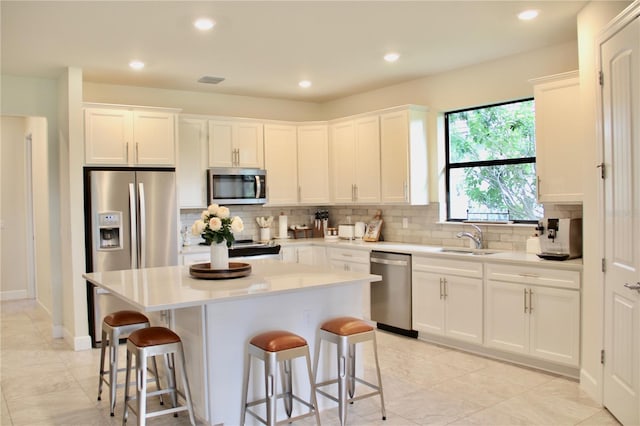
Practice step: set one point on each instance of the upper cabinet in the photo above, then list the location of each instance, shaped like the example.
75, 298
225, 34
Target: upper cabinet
355, 160
281, 161
403, 157
313, 164
559, 159
192, 162
236, 143
128, 136
297, 164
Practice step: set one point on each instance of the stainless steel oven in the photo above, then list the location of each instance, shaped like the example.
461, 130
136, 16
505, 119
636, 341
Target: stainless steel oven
228, 185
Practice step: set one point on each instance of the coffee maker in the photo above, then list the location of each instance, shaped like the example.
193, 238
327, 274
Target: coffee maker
561, 239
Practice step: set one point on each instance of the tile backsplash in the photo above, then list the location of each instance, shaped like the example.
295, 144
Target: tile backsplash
423, 224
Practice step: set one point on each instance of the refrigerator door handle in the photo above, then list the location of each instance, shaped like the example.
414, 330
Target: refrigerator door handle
143, 227
133, 224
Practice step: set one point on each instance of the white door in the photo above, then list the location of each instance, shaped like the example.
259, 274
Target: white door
463, 308
620, 61
281, 162
506, 317
427, 301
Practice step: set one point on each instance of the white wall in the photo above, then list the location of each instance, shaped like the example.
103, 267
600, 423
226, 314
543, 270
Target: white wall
591, 20
14, 267
202, 102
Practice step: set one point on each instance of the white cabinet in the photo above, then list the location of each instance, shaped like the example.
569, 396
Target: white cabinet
533, 311
403, 157
297, 254
236, 143
447, 298
281, 163
346, 259
355, 160
192, 162
313, 164
559, 159
197, 257
297, 162
129, 137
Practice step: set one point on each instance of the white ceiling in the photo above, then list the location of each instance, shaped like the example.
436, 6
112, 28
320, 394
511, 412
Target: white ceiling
263, 48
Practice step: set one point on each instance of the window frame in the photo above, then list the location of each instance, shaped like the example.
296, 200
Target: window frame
502, 162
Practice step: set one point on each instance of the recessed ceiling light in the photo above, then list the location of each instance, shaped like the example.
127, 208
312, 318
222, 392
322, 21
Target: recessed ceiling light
304, 84
527, 15
136, 65
391, 57
204, 24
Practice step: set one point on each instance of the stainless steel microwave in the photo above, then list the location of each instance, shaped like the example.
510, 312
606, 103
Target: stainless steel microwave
228, 185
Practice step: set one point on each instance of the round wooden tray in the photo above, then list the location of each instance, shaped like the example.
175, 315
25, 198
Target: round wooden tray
204, 271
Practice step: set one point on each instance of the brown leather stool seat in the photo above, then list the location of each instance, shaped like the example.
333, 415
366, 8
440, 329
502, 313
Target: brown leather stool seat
152, 342
346, 326
275, 347
345, 333
116, 326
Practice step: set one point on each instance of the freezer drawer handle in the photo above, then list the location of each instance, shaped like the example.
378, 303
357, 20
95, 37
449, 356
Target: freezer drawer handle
389, 262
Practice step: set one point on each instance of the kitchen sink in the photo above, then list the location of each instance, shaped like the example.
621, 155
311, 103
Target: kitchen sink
470, 252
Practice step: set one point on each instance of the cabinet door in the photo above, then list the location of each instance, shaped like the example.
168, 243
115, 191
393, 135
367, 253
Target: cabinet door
249, 144
192, 163
220, 143
555, 325
305, 255
463, 308
288, 254
367, 160
108, 136
313, 164
342, 161
559, 161
394, 157
506, 323
154, 137
280, 149
427, 302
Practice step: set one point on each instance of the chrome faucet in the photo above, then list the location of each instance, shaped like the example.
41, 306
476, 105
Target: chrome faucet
476, 237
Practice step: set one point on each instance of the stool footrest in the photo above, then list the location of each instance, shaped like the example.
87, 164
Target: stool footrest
288, 420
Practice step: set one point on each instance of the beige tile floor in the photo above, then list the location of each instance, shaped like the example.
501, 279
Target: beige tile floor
44, 382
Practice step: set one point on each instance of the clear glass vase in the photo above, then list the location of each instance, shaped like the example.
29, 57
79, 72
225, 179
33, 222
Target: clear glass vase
219, 255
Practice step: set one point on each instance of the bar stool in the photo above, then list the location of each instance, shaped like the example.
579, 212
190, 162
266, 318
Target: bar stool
272, 348
115, 326
151, 342
346, 332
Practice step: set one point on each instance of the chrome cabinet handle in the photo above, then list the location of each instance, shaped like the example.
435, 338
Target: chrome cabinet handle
635, 286
444, 281
440, 288
538, 186
525, 301
126, 152
406, 191
530, 301
137, 152
299, 193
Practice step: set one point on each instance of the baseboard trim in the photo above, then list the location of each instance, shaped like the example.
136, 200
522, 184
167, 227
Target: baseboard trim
13, 295
79, 343
591, 386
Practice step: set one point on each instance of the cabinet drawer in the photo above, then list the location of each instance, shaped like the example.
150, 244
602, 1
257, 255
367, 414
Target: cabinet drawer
531, 275
191, 258
447, 267
349, 255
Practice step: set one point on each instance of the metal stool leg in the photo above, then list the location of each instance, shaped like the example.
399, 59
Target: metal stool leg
343, 354
170, 364
141, 387
245, 386
352, 370
103, 349
312, 384
270, 366
287, 386
375, 354
185, 384
113, 368
127, 378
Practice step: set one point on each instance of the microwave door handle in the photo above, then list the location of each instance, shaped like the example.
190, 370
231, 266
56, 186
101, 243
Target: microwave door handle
143, 226
258, 186
133, 227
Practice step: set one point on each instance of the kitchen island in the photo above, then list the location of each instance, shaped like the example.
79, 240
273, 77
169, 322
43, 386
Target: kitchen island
216, 319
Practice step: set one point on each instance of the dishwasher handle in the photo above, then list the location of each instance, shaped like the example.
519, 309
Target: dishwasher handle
389, 262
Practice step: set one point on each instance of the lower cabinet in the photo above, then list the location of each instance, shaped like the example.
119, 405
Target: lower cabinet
346, 259
297, 254
447, 298
525, 317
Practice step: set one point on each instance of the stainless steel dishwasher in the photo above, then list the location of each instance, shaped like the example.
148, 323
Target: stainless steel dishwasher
391, 297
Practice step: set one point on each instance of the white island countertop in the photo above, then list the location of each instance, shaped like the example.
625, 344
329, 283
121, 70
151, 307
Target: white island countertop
171, 287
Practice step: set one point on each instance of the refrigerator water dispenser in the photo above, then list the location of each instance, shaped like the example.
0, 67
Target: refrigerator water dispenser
110, 231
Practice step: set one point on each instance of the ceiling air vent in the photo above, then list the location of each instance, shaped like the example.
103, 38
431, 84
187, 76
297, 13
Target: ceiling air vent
210, 80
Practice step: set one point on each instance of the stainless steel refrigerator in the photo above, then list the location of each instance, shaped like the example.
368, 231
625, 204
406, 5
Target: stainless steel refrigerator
130, 222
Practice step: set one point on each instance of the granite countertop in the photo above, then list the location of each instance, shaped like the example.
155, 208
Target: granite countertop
171, 287
498, 256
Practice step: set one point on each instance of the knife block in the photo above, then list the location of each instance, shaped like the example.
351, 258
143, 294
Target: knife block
318, 229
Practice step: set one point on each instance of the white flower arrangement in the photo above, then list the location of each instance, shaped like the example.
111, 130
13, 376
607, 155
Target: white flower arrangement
215, 225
